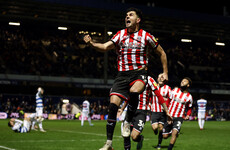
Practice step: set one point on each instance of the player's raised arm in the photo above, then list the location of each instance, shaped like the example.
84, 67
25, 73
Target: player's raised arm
102, 47
159, 50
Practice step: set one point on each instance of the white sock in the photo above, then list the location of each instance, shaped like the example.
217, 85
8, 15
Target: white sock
122, 123
202, 122
199, 122
33, 123
40, 125
82, 120
89, 119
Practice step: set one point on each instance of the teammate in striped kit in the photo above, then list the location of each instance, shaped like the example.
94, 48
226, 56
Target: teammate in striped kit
158, 117
39, 108
201, 103
139, 118
180, 100
131, 44
20, 126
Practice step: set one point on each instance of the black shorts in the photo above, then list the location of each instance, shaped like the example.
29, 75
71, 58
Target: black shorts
124, 80
158, 117
139, 120
177, 122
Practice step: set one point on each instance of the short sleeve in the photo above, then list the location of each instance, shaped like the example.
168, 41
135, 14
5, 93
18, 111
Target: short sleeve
116, 38
152, 40
152, 83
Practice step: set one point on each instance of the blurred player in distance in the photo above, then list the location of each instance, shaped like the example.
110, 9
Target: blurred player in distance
201, 103
131, 44
20, 126
86, 112
181, 99
139, 118
39, 108
158, 116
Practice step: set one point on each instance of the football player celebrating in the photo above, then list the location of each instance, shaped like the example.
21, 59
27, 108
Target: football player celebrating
180, 100
131, 45
158, 116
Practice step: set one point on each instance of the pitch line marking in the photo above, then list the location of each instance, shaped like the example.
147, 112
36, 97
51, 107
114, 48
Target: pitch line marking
6, 148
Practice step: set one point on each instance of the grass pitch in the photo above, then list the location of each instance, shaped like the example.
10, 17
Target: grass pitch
69, 135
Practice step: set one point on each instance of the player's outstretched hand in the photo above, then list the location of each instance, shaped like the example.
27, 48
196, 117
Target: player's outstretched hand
165, 76
169, 117
186, 118
87, 38
119, 112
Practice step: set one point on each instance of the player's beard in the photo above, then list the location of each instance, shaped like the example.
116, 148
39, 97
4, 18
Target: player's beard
183, 87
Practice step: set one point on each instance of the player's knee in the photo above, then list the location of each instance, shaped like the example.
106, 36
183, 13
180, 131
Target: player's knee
154, 127
165, 136
161, 127
114, 99
134, 135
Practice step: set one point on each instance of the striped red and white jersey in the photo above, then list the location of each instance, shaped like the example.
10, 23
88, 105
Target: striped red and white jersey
144, 98
165, 91
179, 102
132, 49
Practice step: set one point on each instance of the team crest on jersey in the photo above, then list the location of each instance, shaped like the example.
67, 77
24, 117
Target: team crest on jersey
139, 38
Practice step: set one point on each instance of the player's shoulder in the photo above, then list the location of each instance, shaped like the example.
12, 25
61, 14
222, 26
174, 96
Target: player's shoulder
167, 87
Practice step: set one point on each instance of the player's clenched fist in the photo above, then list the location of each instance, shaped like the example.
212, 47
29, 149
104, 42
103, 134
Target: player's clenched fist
87, 38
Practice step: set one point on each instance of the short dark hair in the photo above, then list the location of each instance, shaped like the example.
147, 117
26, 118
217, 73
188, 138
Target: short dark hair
189, 80
9, 124
138, 12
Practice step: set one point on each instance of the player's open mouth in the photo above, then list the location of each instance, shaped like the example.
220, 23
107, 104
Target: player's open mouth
128, 22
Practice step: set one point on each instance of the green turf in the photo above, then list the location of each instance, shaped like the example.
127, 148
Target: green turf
69, 135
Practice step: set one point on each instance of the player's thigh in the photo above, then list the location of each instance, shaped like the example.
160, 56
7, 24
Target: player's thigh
137, 87
39, 112
115, 99
161, 126
26, 124
135, 134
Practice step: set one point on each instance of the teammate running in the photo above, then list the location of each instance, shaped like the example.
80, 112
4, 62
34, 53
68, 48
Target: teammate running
180, 100
158, 116
139, 118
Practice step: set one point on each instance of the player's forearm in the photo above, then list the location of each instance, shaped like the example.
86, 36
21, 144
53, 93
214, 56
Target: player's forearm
164, 62
165, 108
98, 46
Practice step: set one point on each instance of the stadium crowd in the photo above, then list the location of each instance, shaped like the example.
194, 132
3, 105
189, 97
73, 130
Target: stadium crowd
63, 53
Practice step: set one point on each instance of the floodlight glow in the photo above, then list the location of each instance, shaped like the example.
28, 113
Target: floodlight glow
220, 44
14, 23
65, 101
109, 33
62, 28
186, 40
